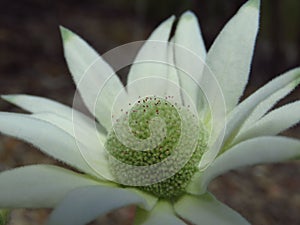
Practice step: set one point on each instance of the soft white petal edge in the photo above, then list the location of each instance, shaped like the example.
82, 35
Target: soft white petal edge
86, 135
152, 59
206, 210
251, 152
173, 78
188, 34
85, 204
238, 116
39, 186
162, 213
189, 55
36, 104
273, 123
266, 105
149, 198
230, 56
54, 142
96, 81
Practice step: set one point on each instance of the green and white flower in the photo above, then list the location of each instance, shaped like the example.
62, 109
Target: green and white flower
161, 118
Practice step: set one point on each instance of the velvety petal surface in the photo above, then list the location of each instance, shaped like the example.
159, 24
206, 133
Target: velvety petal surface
273, 123
39, 186
95, 79
206, 210
173, 75
35, 104
162, 213
55, 142
240, 114
251, 152
152, 60
86, 135
230, 56
83, 205
267, 104
189, 55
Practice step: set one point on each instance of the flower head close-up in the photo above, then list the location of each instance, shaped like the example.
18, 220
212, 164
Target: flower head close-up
157, 140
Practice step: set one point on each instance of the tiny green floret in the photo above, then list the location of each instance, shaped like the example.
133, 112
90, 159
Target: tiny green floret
154, 130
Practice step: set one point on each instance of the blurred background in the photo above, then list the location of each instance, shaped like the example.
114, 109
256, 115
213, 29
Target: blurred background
31, 61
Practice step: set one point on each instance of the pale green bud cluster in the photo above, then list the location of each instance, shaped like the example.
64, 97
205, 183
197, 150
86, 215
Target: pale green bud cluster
150, 133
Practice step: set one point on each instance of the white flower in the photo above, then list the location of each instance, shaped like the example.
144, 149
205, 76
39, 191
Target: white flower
229, 135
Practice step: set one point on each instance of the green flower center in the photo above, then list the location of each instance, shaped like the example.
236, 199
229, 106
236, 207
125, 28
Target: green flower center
157, 147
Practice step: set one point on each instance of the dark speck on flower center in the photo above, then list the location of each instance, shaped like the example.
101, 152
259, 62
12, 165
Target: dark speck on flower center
149, 134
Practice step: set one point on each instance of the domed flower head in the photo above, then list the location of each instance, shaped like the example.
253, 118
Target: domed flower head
158, 141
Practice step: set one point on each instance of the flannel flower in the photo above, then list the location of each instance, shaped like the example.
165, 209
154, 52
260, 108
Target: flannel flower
158, 142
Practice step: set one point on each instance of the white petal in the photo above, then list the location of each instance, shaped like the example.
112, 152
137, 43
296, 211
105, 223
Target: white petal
189, 54
266, 105
87, 135
244, 110
204, 94
38, 186
189, 59
188, 34
162, 213
83, 205
193, 187
251, 152
172, 71
94, 78
149, 198
35, 104
152, 59
54, 142
206, 210
273, 123
172, 75
230, 56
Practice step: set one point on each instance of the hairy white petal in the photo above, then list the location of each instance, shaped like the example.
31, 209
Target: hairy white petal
189, 51
267, 104
230, 56
273, 123
55, 142
38, 186
251, 152
243, 110
206, 210
37, 105
83, 205
95, 79
161, 213
151, 60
